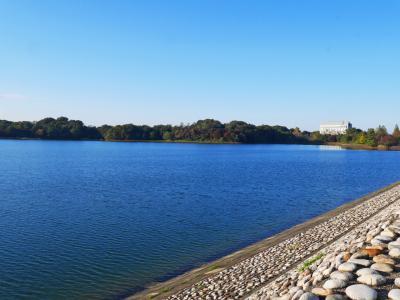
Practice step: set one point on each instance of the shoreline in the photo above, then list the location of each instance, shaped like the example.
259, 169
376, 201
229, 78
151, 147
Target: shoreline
158, 291
342, 145
364, 147
156, 141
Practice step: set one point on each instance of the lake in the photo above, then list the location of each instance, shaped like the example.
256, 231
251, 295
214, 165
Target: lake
100, 220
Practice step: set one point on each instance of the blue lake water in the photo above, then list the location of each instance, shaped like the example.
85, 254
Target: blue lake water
100, 220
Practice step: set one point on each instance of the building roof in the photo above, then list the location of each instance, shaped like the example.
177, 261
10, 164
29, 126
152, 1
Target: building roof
341, 123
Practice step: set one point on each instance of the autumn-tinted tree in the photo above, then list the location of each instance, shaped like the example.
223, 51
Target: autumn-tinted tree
207, 130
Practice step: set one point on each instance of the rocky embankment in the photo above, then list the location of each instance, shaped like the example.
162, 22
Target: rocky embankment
355, 253
362, 264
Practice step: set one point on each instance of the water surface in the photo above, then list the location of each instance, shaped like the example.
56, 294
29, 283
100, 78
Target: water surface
100, 220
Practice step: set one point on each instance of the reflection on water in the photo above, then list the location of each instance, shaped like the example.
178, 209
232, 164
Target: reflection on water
328, 148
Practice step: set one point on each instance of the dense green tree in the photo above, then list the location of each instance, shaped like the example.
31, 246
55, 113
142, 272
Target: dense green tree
49, 128
371, 140
207, 130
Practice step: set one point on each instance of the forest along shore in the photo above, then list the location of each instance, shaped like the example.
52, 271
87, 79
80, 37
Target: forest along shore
202, 131
297, 261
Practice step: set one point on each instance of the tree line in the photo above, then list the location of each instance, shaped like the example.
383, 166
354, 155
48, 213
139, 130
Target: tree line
208, 130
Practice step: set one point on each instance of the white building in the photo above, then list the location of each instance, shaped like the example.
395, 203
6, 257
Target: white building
334, 127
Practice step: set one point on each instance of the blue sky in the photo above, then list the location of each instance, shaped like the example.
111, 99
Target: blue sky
294, 63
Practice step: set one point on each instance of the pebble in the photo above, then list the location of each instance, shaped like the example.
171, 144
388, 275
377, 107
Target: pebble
394, 294
346, 276
321, 291
361, 292
359, 254
334, 284
393, 245
361, 262
397, 282
372, 251
346, 256
384, 259
372, 279
365, 271
347, 267
382, 267
395, 252
383, 238
335, 297
388, 233
309, 296
376, 242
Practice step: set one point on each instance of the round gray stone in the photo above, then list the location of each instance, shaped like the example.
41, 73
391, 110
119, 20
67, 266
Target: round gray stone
394, 294
372, 279
346, 276
347, 267
360, 262
334, 284
365, 271
361, 292
309, 296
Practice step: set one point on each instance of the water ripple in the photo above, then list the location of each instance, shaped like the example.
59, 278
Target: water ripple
90, 220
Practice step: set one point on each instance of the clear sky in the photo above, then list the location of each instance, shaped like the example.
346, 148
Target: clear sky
294, 63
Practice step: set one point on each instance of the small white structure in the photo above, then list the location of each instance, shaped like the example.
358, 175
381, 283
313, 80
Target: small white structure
334, 128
